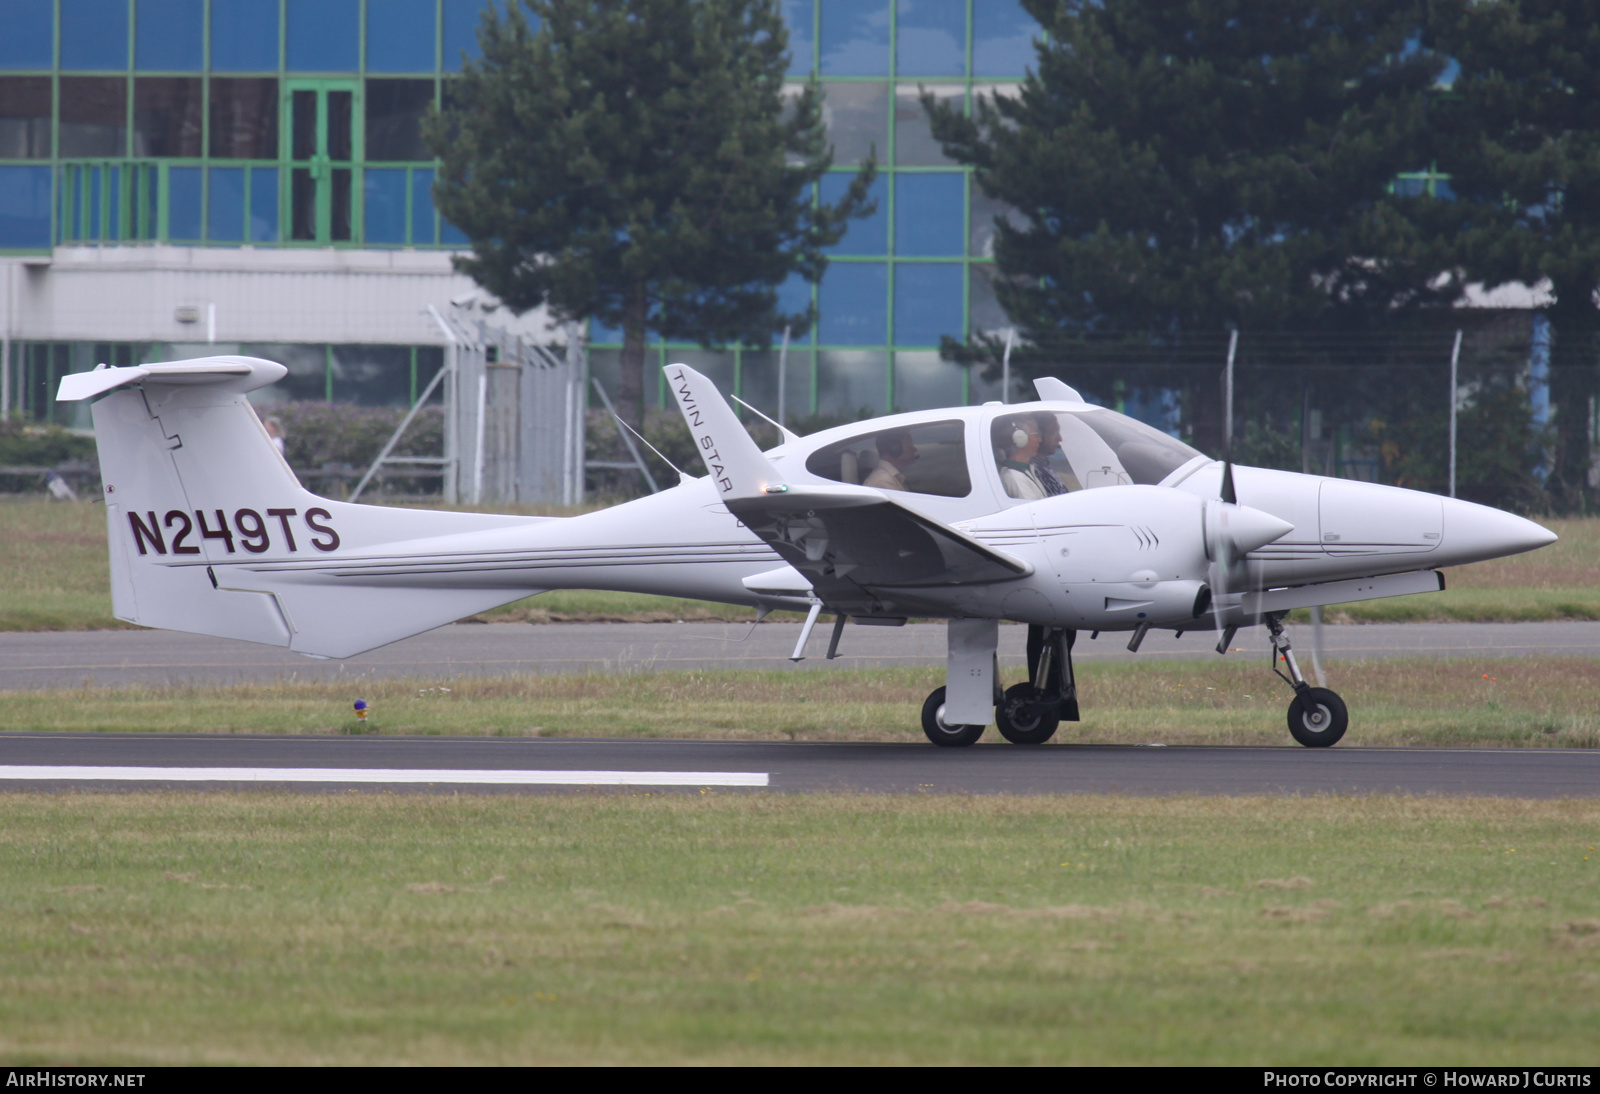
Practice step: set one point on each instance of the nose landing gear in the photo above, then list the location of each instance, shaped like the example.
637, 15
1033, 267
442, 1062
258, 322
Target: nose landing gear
1317, 716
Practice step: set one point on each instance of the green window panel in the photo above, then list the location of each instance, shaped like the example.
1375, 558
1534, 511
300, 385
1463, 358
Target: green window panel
322, 35
244, 35
1002, 39
927, 302
167, 116
401, 35
800, 18
94, 35
460, 20
928, 211
853, 302
29, 39
931, 37
24, 207
869, 235
169, 35
854, 37
24, 117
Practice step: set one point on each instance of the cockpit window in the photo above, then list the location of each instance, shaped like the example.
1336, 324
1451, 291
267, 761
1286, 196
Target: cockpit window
1146, 454
925, 458
1081, 450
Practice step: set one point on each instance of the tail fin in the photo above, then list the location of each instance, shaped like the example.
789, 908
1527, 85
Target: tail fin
210, 531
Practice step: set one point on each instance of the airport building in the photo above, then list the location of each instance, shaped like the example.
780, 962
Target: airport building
183, 177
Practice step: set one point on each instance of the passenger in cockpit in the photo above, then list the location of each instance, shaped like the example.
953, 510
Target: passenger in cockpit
896, 452
1049, 445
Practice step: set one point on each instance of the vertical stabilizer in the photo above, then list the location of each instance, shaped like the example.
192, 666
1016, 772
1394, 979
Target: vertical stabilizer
210, 532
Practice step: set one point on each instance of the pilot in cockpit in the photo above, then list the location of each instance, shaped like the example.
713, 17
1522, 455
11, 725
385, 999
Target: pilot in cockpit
896, 452
1016, 442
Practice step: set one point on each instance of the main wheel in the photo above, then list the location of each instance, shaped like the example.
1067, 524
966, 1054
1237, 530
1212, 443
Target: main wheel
1318, 719
941, 734
1022, 719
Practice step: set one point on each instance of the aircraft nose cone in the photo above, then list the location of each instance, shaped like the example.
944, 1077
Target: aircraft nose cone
1249, 528
1473, 533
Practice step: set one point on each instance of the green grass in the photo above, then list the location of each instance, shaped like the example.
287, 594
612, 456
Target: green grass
59, 581
1544, 702
147, 929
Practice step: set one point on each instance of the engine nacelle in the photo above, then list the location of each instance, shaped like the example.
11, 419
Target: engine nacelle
1126, 604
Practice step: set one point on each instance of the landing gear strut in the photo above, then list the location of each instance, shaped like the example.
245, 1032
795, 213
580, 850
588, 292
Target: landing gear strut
1317, 716
956, 714
1030, 712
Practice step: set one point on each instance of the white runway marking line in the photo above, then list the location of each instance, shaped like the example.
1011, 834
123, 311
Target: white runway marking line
42, 773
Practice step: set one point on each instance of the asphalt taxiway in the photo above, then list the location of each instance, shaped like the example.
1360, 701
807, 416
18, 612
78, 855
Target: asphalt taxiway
158, 658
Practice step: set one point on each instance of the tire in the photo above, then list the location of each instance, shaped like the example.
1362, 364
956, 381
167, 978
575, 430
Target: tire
1323, 723
945, 736
1024, 721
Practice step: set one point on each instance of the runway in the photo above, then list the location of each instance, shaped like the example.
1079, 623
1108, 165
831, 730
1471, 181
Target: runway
157, 658
342, 764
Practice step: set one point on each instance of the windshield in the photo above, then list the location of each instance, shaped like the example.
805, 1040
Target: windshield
1080, 450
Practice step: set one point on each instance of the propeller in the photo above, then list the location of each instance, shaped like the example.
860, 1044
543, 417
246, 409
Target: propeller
1231, 532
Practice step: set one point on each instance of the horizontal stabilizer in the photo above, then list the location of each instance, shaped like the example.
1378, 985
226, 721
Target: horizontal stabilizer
234, 373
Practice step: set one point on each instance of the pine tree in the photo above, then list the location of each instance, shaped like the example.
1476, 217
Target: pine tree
637, 162
1184, 168
1522, 146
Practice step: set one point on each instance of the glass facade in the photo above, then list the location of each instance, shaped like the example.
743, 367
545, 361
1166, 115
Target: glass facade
296, 123
920, 268
224, 122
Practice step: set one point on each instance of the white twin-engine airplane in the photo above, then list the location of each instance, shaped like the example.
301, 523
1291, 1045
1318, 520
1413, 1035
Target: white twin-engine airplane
1058, 514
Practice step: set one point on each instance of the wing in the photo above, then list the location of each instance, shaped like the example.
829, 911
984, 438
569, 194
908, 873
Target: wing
851, 542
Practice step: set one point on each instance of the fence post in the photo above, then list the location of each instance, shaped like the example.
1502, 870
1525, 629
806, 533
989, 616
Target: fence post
1455, 357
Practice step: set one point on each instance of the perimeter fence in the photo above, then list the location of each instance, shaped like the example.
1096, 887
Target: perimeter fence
1372, 405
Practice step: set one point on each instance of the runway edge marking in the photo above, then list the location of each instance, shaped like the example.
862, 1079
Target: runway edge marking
81, 773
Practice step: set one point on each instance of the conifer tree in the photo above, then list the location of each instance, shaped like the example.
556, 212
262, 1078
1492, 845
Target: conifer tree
1521, 132
1184, 168
637, 162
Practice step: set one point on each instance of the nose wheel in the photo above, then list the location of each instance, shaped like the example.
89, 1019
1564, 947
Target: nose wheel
940, 732
1317, 716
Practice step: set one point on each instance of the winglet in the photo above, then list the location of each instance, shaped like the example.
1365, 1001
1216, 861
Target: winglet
735, 463
1052, 390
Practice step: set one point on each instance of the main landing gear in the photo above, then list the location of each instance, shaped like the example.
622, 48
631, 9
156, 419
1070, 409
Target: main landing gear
1027, 713
1317, 716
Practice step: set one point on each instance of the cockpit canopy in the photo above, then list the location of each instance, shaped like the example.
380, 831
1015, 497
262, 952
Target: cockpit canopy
1096, 447
1082, 449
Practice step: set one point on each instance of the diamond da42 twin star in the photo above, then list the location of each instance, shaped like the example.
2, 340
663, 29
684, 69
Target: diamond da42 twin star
1058, 514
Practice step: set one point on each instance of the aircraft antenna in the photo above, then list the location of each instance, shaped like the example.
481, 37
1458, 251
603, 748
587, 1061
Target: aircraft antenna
783, 431
681, 476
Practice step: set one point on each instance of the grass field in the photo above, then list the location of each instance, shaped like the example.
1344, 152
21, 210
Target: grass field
597, 928
1511, 703
58, 581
